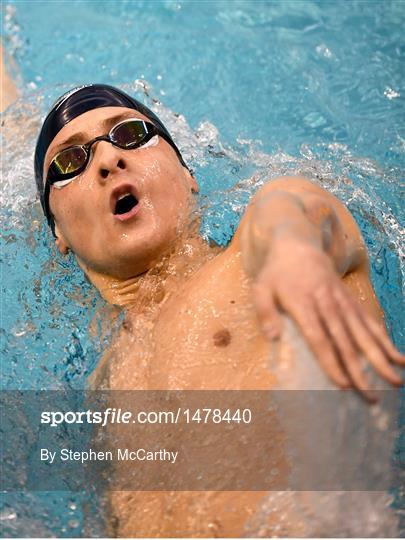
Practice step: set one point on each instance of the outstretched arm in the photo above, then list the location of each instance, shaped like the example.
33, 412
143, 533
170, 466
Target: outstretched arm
297, 241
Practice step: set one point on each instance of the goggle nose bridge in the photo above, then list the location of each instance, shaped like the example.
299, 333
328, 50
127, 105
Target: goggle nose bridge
106, 138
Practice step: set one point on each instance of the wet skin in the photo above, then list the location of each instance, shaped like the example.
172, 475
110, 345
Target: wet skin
205, 318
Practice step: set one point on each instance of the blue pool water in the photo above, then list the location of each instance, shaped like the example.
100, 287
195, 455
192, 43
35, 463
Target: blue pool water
262, 88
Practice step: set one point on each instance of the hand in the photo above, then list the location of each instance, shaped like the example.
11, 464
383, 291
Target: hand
300, 279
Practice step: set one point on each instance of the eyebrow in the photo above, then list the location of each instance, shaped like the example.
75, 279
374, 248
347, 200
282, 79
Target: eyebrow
81, 136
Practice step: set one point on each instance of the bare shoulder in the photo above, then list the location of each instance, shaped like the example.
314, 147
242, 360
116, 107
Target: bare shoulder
312, 194
318, 203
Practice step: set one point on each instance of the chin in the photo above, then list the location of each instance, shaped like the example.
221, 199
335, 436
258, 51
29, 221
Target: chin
133, 259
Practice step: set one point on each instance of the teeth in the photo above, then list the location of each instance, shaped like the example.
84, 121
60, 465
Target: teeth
123, 195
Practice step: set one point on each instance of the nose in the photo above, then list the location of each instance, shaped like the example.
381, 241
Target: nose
107, 159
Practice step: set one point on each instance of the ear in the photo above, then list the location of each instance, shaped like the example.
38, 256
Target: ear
60, 241
192, 181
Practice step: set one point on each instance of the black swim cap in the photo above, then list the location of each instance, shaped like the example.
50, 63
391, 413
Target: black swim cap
74, 103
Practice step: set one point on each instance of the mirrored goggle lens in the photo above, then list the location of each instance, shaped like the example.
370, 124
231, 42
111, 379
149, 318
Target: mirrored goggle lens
130, 133
67, 162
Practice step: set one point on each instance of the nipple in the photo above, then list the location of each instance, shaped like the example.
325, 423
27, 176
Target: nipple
222, 338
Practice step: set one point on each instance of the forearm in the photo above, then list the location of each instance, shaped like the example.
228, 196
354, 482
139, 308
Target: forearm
280, 218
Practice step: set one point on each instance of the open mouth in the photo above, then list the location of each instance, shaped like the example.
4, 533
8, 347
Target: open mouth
124, 202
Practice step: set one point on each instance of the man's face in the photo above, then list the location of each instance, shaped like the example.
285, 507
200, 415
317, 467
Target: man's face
85, 210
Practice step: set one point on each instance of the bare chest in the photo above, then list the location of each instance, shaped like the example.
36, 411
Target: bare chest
205, 336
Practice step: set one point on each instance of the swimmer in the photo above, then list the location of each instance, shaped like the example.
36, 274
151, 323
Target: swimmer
116, 192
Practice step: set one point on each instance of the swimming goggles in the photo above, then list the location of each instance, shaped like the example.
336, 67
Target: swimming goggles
72, 161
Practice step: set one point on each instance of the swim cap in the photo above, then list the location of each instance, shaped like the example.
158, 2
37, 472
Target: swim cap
74, 103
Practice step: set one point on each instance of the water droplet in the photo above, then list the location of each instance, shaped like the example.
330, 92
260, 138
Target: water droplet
389, 93
314, 120
7, 513
324, 51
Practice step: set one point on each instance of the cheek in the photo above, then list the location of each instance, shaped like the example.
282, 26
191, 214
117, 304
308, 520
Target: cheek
71, 204
150, 174
163, 179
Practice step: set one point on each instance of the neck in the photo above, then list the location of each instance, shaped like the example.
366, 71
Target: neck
151, 288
